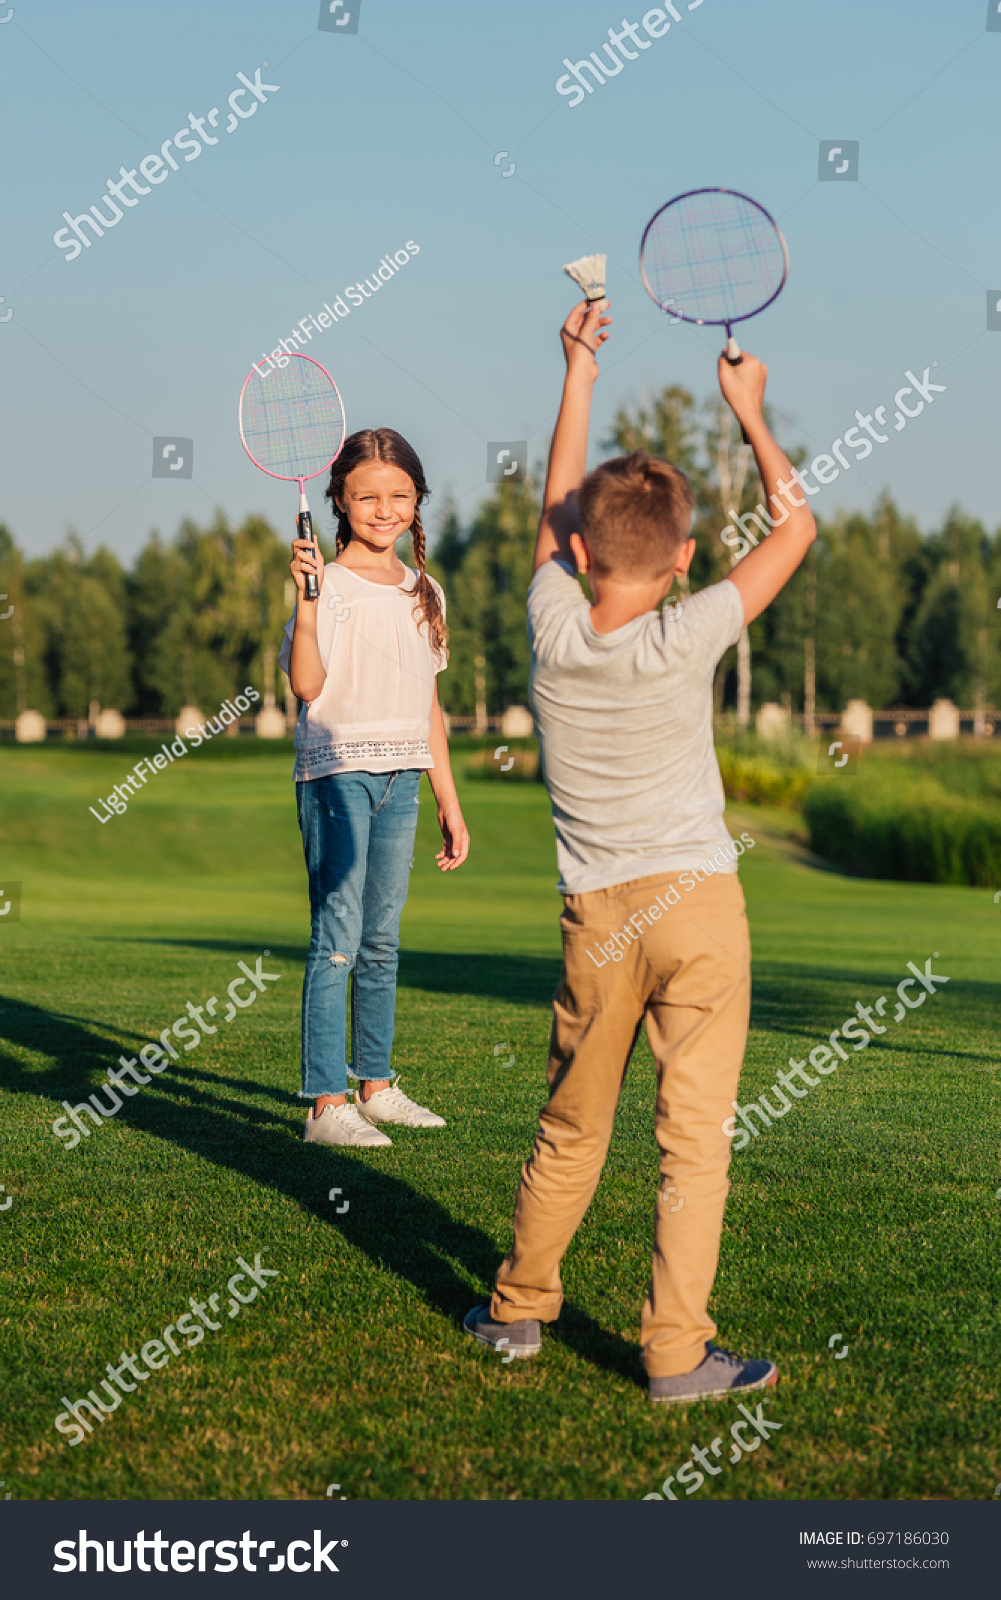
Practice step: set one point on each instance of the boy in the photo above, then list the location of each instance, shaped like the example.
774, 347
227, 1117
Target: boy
623, 706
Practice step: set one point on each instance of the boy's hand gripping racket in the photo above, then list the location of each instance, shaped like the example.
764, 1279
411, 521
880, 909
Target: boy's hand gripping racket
292, 427
714, 256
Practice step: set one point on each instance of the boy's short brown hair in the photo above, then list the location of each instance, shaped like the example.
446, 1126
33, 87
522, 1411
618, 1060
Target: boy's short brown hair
636, 513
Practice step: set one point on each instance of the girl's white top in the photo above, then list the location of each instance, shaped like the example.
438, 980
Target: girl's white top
373, 712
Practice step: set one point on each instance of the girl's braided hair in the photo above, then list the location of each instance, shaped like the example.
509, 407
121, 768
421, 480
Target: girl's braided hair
386, 445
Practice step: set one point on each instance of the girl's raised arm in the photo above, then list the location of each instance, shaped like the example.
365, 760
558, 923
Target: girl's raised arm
305, 669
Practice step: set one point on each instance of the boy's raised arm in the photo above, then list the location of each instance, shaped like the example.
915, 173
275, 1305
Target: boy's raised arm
582, 333
760, 574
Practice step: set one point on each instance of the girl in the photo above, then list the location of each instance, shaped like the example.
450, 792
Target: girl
363, 659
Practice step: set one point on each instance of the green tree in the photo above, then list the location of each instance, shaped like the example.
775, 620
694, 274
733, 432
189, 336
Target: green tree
947, 648
485, 573
155, 589
664, 426
448, 553
207, 614
859, 602
11, 626
884, 612
705, 444
74, 628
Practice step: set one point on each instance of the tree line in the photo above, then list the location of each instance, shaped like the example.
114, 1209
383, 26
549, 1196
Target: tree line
880, 610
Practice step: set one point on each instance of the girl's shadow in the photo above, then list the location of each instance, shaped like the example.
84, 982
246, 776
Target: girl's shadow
450, 1263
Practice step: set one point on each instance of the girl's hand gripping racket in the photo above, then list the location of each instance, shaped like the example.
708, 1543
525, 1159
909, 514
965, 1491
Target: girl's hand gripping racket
292, 427
714, 256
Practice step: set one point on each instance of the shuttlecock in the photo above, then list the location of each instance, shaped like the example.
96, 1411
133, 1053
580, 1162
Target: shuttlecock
589, 274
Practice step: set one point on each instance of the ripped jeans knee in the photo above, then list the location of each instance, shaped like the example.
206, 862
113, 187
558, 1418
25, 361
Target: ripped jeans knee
343, 960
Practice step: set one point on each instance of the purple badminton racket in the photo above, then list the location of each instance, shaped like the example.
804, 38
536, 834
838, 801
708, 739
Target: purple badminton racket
714, 256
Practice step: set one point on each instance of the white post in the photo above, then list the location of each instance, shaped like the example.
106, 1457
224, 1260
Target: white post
856, 719
943, 720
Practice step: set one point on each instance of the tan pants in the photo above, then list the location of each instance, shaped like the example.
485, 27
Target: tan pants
688, 973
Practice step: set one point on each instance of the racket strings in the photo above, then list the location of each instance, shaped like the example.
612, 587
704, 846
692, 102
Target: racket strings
713, 256
292, 420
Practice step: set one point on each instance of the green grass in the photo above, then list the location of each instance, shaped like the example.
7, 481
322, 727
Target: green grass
870, 1210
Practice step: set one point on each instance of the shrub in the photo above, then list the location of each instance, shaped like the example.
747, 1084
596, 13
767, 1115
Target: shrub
968, 767
923, 835
763, 779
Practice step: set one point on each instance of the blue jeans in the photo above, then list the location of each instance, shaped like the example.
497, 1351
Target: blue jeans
358, 833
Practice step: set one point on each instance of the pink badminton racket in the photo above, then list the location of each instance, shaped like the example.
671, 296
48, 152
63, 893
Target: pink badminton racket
292, 427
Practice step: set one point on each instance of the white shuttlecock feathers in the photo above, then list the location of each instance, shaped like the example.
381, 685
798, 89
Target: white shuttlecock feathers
589, 274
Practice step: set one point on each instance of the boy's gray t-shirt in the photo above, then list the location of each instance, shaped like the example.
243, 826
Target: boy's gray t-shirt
625, 731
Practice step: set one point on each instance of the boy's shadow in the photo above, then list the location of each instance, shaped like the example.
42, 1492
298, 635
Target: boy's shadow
450, 1263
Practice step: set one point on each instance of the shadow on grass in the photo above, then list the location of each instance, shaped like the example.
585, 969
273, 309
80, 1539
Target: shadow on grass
528, 980
450, 1263
797, 1002
786, 998
411, 1234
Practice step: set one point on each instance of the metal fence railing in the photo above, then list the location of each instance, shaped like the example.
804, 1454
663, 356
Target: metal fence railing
898, 723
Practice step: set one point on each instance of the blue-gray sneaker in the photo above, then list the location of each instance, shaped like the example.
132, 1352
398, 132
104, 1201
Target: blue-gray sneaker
507, 1338
718, 1373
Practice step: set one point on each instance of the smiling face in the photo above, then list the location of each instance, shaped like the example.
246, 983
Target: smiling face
380, 502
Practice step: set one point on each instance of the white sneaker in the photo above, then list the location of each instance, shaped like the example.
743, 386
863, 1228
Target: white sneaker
342, 1125
392, 1105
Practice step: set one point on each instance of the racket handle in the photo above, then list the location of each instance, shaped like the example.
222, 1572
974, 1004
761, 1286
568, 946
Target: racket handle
733, 355
304, 524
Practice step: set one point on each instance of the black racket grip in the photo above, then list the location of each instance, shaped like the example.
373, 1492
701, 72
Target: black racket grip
735, 362
304, 524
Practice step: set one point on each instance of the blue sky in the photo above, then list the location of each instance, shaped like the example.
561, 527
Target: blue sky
389, 135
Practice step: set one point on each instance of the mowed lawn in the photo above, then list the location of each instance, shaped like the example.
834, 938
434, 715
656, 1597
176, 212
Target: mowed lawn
870, 1211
